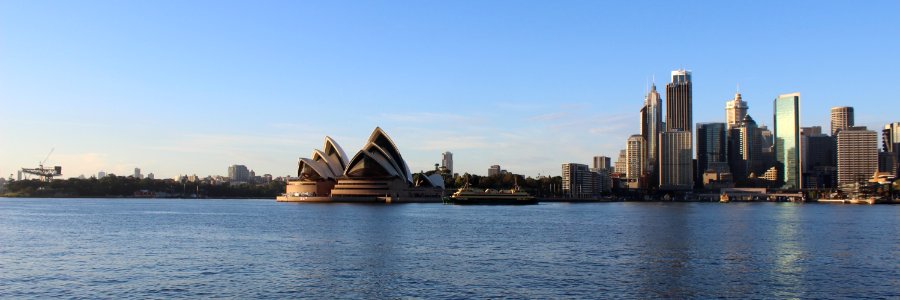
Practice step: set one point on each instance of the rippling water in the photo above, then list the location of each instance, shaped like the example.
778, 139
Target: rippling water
118, 248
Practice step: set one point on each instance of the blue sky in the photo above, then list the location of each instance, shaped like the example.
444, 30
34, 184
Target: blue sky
190, 87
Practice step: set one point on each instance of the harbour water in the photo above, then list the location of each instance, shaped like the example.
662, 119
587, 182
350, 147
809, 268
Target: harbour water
162, 248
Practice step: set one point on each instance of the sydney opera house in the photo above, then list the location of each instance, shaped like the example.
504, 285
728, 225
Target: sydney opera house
377, 173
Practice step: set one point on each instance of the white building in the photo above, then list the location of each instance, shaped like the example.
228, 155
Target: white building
447, 161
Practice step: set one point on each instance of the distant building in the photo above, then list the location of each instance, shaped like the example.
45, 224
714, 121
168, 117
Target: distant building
239, 173
890, 144
137, 173
150, 176
857, 155
651, 126
735, 111
841, 118
577, 180
679, 102
494, 170
19, 175
744, 150
819, 156
101, 174
676, 162
622, 162
712, 150
635, 160
602, 181
602, 162
447, 161
787, 140
890, 137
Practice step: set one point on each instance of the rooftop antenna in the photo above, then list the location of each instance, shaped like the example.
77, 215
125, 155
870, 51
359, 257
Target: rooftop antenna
738, 88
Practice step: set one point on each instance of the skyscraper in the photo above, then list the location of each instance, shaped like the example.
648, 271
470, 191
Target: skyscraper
137, 173
857, 155
841, 118
711, 148
635, 157
819, 158
602, 163
447, 161
890, 144
651, 126
735, 111
787, 140
679, 102
745, 151
676, 161
890, 137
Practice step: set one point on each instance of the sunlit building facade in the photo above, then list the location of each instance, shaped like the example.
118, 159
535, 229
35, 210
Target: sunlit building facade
787, 140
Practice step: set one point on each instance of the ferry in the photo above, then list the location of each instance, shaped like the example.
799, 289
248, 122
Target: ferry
468, 195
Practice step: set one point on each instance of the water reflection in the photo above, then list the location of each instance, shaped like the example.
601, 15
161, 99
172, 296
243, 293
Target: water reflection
263, 249
788, 270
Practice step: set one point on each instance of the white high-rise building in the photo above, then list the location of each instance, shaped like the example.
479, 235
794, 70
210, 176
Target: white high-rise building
635, 160
447, 161
621, 162
735, 111
137, 173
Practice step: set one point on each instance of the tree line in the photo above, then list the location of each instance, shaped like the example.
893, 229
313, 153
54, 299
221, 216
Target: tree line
120, 186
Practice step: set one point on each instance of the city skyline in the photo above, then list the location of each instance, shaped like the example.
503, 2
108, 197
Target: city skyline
114, 102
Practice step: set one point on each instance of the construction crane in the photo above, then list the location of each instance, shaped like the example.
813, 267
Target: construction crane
46, 174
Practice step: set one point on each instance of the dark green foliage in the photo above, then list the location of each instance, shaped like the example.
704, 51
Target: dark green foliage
118, 186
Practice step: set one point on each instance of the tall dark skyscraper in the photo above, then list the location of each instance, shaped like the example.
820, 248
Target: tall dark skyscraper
679, 102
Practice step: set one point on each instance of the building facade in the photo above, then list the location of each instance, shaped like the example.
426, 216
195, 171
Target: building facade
577, 180
679, 102
635, 157
890, 144
712, 149
819, 158
621, 162
857, 155
239, 173
735, 111
494, 170
651, 126
602, 162
841, 118
676, 161
787, 140
447, 161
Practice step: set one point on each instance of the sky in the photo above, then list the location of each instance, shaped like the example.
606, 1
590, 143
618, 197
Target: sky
192, 87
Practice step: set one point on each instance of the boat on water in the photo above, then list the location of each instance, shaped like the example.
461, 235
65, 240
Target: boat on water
469, 195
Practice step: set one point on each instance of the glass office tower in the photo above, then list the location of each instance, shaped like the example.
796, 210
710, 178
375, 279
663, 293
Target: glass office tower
787, 140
